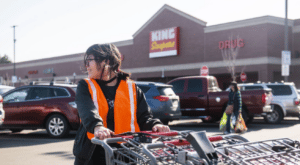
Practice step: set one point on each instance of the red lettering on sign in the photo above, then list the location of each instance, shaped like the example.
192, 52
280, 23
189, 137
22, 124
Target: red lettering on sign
33, 72
221, 45
241, 43
227, 44
233, 43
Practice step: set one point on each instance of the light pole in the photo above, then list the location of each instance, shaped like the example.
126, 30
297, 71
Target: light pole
74, 74
14, 78
286, 32
14, 50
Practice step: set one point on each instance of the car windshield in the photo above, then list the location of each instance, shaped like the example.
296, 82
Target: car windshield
212, 82
213, 85
17, 96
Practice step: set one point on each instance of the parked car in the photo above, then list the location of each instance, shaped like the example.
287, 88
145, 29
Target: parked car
285, 99
5, 88
201, 97
162, 100
2, 112
51, 107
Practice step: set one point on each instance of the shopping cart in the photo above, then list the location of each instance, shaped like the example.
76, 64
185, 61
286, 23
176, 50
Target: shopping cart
195, 148
184, 147
276, 151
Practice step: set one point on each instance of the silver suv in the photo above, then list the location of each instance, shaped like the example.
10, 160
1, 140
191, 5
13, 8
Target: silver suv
285, 99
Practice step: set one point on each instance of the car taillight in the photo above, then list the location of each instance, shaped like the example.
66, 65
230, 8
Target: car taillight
263, 98
1, 99
161, 98
296, 101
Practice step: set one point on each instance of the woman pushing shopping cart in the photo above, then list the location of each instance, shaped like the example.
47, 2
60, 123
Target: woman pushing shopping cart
108, 103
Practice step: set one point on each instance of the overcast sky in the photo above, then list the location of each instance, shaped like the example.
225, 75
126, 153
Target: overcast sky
49, 28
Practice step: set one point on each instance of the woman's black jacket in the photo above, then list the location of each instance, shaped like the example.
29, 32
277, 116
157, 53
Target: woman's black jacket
235, 99
83, 148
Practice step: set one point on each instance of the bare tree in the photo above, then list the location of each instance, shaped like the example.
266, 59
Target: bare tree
229, 56
4, 59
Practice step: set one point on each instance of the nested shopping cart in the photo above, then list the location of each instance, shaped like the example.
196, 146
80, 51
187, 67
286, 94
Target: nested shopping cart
195, 148
276, 151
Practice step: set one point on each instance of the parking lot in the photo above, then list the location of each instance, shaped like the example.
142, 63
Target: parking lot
37, 148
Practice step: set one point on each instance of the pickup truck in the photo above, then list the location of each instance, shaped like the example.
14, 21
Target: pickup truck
201, 97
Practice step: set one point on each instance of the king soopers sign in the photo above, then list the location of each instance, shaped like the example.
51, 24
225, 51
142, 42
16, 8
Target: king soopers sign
164, 42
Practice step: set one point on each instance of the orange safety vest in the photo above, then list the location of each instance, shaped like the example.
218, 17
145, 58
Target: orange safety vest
125, 106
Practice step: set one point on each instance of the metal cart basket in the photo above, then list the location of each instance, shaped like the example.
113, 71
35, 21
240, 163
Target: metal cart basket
195, 148
276, 151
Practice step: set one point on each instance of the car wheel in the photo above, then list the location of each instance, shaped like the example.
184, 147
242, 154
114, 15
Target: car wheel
274, 117
16, 130
57, 126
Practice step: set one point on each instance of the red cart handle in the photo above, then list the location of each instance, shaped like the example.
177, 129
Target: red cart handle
155, 134
185, 142
161, 133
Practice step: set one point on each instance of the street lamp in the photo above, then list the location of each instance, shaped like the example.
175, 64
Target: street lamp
286, 32
14, 78
74, 74
14, 50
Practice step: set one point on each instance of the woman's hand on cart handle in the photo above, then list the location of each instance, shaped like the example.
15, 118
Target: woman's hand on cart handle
160, 128
101, 132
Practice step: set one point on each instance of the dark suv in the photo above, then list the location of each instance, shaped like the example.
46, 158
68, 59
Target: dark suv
162, 100
41, 106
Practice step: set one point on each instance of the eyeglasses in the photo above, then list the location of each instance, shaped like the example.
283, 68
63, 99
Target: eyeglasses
88, 60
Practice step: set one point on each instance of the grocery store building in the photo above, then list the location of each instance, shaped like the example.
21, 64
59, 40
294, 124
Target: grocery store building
173, 44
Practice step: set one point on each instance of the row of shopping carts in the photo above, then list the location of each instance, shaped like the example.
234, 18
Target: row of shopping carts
195, 148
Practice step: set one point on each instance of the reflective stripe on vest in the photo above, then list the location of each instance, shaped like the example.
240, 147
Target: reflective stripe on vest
125, 106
